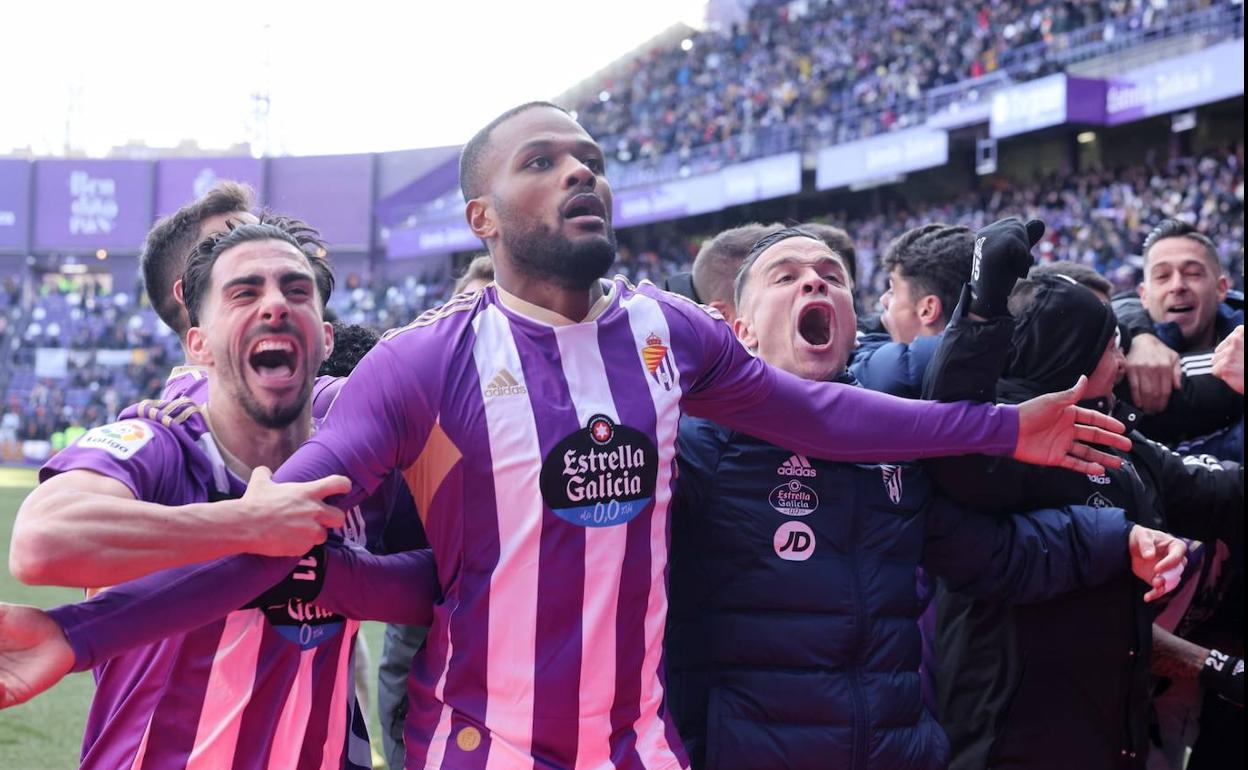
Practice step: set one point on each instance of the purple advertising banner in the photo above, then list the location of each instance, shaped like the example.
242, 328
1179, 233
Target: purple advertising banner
755, 180
431, 238
1049, 101
333, 193
181, 180
14, 206
881, 157
84, 205
1176, 84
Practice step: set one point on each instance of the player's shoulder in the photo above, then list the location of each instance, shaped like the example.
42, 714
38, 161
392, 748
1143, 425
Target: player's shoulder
677, 303
149, 429
455, 312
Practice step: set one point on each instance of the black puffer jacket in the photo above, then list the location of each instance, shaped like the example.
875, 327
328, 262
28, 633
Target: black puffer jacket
1063, 683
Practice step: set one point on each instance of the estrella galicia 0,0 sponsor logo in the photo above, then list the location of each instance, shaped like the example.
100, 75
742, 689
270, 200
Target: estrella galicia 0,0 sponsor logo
600, 476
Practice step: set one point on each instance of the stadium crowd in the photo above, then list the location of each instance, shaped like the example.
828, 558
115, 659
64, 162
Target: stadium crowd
1097, 218
837, 69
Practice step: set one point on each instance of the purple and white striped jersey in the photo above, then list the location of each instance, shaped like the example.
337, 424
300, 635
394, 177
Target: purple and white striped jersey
541, 455
261, 689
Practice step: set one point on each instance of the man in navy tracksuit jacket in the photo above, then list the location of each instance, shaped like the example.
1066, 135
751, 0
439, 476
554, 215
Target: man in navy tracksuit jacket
792, 641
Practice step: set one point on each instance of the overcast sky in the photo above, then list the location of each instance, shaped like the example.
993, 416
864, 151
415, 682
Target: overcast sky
355, 76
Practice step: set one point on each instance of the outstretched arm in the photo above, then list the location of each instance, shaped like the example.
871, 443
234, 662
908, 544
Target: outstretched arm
1041, 554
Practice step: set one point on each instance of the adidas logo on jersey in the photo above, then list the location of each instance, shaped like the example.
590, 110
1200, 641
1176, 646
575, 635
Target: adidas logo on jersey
796, 465
504, 384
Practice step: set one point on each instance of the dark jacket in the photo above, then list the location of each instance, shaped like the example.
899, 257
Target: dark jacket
891, 367
792, 642
1203, 415
1063, 683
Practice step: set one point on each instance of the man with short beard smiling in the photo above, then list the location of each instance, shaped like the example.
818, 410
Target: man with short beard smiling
269, 681
535, 423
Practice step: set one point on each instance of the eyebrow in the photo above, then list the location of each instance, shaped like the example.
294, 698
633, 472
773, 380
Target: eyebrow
287, 278
583, 145
817, 261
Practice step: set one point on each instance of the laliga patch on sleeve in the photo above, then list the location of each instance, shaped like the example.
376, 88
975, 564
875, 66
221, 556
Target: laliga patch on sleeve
119, 439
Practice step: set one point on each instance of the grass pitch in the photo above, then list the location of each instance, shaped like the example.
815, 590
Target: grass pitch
46, 733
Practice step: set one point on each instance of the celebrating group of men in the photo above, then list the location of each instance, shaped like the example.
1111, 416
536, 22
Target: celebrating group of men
596, 466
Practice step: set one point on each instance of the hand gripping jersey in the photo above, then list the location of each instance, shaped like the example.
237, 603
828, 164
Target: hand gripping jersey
269, 688
541, 454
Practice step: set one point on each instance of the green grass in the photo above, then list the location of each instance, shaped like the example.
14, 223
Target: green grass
46, 733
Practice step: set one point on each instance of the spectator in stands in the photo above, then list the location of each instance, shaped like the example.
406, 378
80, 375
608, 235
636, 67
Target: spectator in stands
768, 667
1030, 686
1184, 310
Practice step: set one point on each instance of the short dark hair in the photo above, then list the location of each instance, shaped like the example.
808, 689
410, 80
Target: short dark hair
351, 342
839, 241
1079, 273
936, 258
481, 268
1177, 228
198, 276
472, 157
716, 265
764, 243
172, 239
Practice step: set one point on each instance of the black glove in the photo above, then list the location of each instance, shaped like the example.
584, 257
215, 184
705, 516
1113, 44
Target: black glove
303, 583
1224, 675
1002, 256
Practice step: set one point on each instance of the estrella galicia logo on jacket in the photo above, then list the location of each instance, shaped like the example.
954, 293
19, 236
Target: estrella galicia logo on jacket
658, 360
892, 482
793, 498
794, 541
600, 476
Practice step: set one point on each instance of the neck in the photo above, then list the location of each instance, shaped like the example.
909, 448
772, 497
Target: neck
572, 304
1202, 341
245, 444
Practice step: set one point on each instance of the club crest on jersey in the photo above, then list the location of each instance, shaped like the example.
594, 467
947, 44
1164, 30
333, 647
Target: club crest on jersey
658, 360
892, 482
600, 476
1097, 500
119, 439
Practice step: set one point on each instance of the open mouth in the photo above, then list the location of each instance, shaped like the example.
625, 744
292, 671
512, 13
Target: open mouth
814, 324
273, 359
1180, 309
585, 206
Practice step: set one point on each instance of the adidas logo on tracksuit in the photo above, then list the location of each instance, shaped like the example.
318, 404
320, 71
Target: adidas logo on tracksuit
796, 465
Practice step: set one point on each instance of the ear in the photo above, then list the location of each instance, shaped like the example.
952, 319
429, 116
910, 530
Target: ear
929, 309
328, 328
481, 218
1224, 285
745, 333
1142, 290
197, 347
177, 292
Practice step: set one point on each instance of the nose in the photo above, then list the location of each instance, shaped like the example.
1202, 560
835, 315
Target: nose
886, 299
580, 175
275, 308
813, 283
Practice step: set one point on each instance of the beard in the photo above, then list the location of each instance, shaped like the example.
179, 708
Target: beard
541, 253
275, 416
